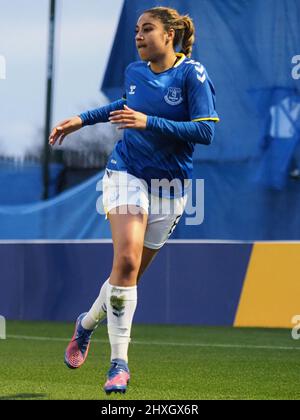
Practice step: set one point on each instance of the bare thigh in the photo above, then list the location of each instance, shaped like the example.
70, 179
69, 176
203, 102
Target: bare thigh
128, 233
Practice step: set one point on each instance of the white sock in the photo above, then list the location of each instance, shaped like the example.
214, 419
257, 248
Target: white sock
97, 313
121, 304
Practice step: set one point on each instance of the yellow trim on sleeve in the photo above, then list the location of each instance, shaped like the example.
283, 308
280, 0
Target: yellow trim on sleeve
207, 119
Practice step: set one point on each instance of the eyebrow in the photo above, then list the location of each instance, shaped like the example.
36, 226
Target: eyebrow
147, 23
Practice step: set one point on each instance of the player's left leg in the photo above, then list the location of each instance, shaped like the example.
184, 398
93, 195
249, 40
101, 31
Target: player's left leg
164, 216
147, 258
78, 348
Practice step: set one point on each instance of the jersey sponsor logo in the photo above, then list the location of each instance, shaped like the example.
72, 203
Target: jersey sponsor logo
173, 96
132, 89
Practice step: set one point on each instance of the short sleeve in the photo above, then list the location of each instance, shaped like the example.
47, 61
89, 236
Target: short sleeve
200, 94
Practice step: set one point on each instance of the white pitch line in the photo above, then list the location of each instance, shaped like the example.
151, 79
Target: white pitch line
162, 343
109, 241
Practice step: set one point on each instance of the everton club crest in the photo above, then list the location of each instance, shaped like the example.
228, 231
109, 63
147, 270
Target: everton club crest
173, 96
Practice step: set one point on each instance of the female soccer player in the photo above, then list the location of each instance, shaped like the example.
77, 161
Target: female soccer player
169, 107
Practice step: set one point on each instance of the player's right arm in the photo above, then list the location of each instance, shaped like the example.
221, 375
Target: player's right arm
94, 116
61, 130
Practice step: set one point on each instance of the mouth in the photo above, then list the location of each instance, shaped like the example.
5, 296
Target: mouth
142, 46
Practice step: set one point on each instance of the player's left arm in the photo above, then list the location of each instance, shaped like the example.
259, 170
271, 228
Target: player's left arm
194, 131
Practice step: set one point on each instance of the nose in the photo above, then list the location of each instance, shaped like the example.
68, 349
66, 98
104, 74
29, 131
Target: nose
139, 37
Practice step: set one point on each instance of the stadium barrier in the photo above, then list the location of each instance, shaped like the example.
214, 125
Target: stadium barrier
189, 282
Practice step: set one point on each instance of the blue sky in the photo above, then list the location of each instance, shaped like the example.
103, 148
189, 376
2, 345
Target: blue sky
85, 33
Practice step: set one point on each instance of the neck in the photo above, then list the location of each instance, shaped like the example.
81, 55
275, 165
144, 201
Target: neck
164, 63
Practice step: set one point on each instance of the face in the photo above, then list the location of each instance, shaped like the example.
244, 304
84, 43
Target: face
152, 41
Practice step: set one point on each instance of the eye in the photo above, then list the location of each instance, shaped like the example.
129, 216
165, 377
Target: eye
144, 30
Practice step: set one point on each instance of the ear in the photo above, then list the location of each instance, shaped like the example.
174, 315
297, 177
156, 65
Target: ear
171, 35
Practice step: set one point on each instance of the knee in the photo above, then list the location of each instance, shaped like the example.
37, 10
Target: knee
127, 264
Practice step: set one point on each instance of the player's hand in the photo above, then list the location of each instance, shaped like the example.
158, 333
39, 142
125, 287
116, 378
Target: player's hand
128, 118
63, 129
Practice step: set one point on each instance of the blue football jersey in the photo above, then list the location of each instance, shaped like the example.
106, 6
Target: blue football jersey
181, 93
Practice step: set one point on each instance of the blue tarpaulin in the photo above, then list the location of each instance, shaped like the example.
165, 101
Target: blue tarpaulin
71, 215
247, 47
23, 182
233, 210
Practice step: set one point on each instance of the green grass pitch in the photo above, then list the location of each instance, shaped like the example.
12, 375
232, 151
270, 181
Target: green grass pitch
166, 362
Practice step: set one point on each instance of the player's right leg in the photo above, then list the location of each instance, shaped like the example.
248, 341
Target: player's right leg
125, 199
128, 231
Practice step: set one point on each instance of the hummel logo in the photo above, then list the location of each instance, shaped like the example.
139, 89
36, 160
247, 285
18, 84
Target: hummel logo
132, 90
201, 78
192, 62
200, 70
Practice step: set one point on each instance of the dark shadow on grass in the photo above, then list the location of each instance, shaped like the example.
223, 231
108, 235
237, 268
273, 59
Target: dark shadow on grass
22, 397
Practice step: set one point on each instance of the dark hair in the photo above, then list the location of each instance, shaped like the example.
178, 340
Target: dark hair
182, 25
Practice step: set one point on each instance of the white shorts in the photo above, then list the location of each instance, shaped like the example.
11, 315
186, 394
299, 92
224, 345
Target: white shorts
123, 189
